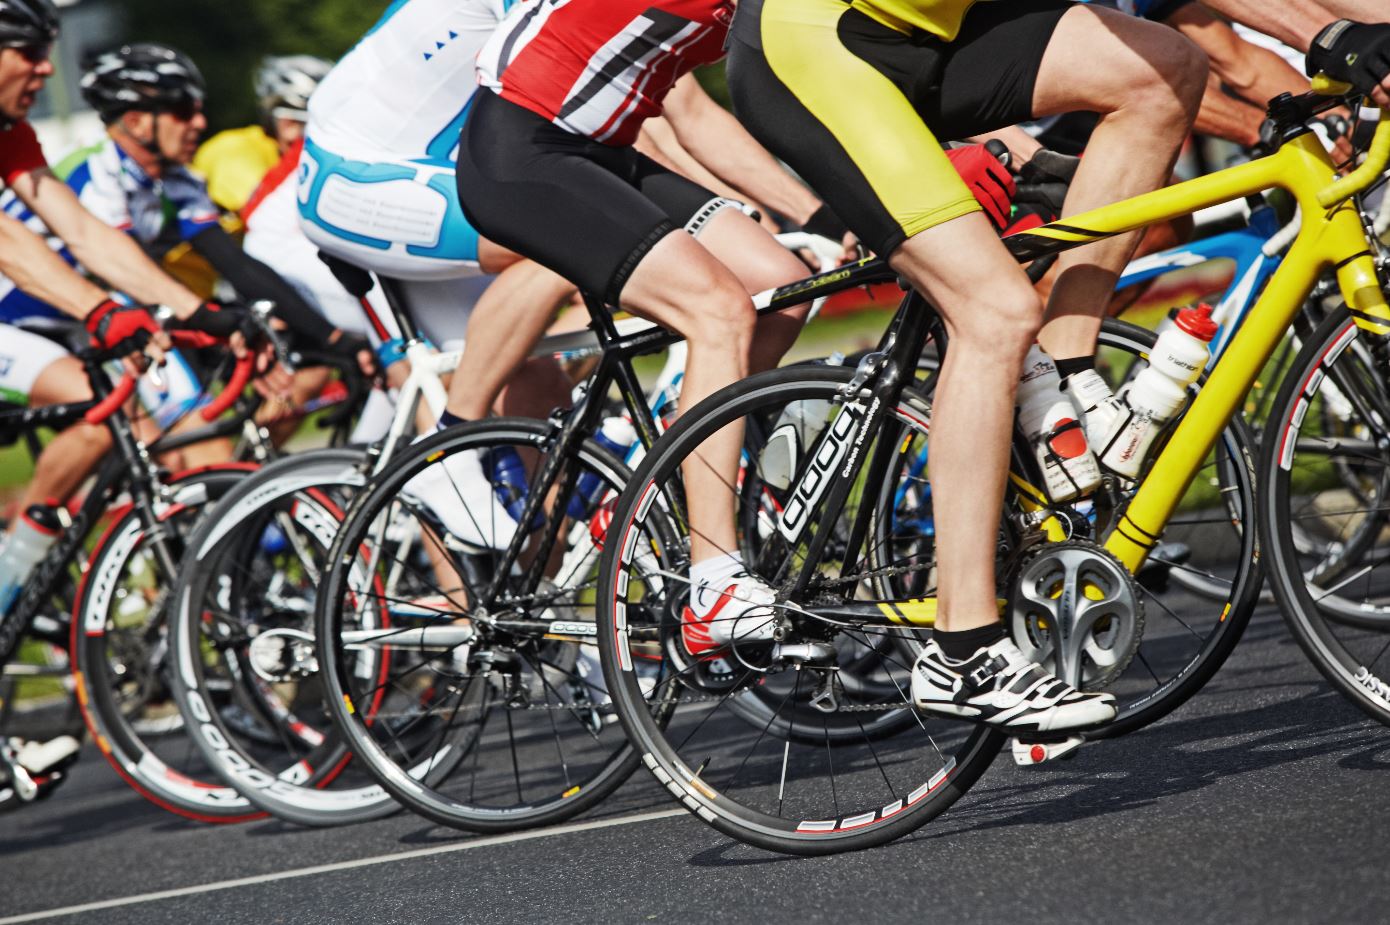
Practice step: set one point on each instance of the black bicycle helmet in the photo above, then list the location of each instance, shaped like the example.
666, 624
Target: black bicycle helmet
28, 22
142, 77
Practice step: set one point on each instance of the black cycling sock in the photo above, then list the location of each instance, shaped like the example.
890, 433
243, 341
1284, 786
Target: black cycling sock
959, 646
1075, 365
447, 420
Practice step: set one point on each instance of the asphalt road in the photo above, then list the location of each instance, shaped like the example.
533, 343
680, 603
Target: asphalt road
1262, 800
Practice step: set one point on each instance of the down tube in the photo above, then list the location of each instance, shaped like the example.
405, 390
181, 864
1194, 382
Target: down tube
1220, 398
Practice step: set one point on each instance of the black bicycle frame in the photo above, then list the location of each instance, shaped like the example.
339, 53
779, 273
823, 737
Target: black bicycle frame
616, 352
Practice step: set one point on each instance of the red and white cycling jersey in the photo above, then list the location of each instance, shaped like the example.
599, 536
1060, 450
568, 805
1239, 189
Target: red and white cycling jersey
601, 67
20, 152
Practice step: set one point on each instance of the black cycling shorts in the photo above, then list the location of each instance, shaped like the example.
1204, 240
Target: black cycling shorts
586, 210
858, 108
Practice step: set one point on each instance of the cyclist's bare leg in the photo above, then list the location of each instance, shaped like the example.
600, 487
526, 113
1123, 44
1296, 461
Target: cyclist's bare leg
510, 317
72, 455
1146, 81
680, 284
760, 263
992, 316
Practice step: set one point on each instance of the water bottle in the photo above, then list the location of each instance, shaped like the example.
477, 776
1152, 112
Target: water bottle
1048, 419
1156, 394
797, 429
616, 434
507, 473
25, 548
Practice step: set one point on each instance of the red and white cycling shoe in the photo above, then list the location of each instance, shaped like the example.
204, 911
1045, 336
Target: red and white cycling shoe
741, 611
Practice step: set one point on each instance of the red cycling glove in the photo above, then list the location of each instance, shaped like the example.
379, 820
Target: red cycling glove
112, 322
988, 179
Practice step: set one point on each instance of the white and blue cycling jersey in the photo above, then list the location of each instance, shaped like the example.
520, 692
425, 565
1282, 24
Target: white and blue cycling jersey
376, 181
116, 190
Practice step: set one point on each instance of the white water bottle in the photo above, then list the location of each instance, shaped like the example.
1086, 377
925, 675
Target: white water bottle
24, 549
1049, 420
1156, 394
796, 430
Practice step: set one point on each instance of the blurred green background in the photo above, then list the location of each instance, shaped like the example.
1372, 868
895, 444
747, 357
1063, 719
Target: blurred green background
227, 38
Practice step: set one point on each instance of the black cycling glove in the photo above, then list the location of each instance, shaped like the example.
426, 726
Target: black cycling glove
1353, 52
1043, 183
215, 320
826, 223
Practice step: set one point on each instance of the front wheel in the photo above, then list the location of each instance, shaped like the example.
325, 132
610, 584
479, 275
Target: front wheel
1326, 477
120, 658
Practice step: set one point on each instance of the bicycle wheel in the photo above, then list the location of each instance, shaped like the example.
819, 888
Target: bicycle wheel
241, 638
1326, 470
786, 783
488, 719
119, 654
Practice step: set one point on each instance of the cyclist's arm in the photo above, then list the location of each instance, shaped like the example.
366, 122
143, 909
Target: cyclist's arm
254, 280
717, 140
657, 140
1297, 22
33, 266
1225, 116
107, 252
1257, 75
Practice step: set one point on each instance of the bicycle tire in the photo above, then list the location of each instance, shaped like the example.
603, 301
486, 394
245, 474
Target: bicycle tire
641, 606
1336, 627
283, 756
152, 760
446, 781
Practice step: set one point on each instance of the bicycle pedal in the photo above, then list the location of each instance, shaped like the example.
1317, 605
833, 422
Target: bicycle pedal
1027, 754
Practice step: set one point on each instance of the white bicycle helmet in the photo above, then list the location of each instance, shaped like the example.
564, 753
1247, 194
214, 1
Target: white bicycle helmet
284, 84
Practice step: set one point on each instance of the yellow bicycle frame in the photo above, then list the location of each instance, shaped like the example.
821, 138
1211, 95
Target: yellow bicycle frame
1332, 236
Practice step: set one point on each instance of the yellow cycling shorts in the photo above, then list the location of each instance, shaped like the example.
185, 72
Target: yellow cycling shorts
858, 108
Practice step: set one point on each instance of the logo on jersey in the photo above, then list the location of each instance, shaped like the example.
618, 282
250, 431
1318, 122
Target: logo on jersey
724, 15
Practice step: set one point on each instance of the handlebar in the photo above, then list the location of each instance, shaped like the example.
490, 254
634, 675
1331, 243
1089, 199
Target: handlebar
236, 384
241, 376
112, 403
1377, 158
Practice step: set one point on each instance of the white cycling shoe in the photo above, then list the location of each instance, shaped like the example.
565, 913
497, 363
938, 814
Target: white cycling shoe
1000, 687
460, 494
741, 611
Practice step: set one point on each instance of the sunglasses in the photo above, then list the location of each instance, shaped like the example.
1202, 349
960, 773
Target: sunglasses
34, 54
185, 111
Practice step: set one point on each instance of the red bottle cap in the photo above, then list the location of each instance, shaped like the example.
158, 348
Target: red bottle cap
1197, 322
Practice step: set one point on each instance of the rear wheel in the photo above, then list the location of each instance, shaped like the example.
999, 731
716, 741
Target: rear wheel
770, 744
242, 630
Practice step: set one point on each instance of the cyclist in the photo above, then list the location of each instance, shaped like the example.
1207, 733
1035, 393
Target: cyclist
235, 161
378, 188
150, 97
853, 96
34, 369
546, 167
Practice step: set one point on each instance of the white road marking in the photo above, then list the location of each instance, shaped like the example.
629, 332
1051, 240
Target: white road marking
484, 842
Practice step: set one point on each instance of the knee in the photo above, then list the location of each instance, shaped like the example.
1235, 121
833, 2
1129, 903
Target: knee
1000, 328
1182, 68
722, 315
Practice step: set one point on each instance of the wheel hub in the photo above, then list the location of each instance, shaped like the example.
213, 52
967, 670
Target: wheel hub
1075, 609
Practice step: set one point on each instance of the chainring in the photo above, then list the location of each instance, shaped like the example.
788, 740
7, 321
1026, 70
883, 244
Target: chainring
1075, 609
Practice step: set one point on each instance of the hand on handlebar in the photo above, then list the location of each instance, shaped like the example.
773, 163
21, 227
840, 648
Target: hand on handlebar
115, 325
353, 347
1357, 53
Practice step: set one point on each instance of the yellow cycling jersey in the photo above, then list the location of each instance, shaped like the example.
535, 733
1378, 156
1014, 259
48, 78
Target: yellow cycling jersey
941, 18
234, 163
